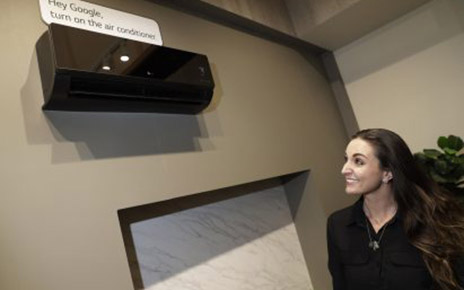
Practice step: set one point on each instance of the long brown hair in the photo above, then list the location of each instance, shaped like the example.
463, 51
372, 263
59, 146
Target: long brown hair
432, 219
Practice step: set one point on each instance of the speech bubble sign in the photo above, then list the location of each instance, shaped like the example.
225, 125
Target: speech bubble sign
92, 17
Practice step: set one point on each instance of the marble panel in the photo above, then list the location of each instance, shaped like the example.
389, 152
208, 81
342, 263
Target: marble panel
248, 242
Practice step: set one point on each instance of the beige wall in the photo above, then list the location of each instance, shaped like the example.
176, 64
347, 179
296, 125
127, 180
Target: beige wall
65, 175
408, 75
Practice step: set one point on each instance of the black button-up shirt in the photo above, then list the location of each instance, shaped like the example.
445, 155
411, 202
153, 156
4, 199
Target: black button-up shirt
396, 265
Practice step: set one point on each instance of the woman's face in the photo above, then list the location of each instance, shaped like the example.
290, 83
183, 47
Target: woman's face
362, 170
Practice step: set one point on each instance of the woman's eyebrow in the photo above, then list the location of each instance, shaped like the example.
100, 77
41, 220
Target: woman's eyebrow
360, 154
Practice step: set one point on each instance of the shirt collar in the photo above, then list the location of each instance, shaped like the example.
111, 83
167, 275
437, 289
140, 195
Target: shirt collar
357, 215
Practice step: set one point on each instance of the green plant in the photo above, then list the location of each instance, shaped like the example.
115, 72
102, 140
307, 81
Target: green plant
446, 167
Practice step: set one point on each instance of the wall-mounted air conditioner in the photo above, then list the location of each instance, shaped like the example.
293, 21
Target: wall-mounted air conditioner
87, 71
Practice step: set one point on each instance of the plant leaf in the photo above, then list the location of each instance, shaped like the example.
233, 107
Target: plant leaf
422, 159
460, 170
442, 142
441, 166
437, 177
455, 142
432, 153
456, 160
450, 151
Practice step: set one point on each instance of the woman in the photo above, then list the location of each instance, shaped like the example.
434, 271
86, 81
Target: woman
404, 233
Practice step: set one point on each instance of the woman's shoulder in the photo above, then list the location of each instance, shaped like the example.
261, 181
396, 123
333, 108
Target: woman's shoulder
345, 214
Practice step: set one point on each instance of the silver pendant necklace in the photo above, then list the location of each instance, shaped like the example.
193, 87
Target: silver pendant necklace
373, 244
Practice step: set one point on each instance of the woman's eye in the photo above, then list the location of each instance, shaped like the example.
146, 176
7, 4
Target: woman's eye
358, 161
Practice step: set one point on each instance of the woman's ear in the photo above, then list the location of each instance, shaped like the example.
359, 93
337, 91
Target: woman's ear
387, 177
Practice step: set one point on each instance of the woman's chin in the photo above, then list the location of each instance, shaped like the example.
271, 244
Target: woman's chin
351, 191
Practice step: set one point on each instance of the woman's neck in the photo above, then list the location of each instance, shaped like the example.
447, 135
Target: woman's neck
379, 207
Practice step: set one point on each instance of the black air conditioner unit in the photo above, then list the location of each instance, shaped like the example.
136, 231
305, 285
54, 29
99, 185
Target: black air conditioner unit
88, 71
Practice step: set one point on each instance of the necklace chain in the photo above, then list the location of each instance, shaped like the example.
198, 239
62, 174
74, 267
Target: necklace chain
367, 212
375, 245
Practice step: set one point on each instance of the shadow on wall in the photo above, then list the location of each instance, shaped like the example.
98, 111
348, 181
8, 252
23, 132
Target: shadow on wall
431, 24
78, 136
167, 238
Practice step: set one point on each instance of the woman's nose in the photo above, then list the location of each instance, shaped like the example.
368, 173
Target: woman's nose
345, 169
